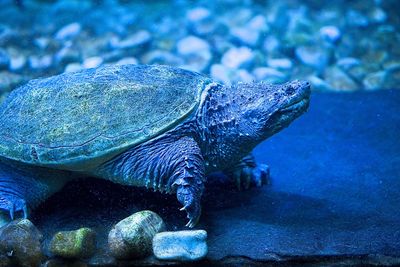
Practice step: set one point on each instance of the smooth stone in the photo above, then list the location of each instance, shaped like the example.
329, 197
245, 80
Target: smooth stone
375, 80
238, 57
245, 35
269, 75
132, 237
64, 263
348, 63
92, 62
73, 67
139, 38
39, 63
312, 56
271, 44
221, 73
244, 76
4, 59
377, 15
161, 57
318, 84
20, 241
68, 31
195, 52
190, 245
192, 45
355, 18
66, 55
17, 62
280, 63
200, 21
339, 80
331, 34
127, 61
42, 42
76, 244
9, 81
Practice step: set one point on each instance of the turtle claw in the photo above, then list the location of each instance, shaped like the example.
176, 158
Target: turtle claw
248, 173
12, 205
191, 204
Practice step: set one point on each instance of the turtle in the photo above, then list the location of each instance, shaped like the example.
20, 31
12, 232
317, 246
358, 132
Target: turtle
153, 126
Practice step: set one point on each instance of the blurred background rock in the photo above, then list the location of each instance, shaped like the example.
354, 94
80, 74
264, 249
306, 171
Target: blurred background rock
337, 45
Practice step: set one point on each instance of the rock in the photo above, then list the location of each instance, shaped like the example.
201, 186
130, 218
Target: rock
347, 63
221, 73
280, 63
377, 15
132, 237
4, 59
181, 245
127, 60
244, 76
355, 18
139, 38
192, 45
64, 263
72, 67
17, 62
375, 80
42, 42
196, 53
9, 81
67, 54
76, 244
241, 57
271, 45
92, 62
20, 241
200, 20
269, 75
250, 33
318, 84
330, 34
40, 63
68, 31
312, 56
339, 80
161, 57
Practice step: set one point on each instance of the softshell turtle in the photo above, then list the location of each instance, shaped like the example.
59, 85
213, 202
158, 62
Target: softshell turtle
158, 127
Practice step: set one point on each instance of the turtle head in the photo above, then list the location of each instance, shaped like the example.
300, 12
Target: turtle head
266, 109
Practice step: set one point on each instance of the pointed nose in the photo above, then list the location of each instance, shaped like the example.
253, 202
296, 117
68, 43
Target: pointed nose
298, 87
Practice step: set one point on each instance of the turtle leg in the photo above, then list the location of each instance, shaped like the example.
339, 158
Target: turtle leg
24, 188
247, 172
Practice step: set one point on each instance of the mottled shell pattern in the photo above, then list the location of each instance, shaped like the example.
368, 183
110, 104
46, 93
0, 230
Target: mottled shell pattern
76, 120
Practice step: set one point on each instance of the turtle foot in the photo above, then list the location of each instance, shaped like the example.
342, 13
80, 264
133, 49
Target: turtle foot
13, 204
248, 173
191, 204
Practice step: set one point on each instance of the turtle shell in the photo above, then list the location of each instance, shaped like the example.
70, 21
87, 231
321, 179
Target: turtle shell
76, 121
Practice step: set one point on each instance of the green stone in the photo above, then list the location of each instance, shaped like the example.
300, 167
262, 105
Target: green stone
74, 244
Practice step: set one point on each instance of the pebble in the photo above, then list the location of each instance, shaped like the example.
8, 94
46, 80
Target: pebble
92, 62
132, 237
67, 54
319, 84
375, 80
68, 31
76, 244
188, 245
348, 62
127, 61
245, 35
221, 73
330, 34
73, 67
198, 14
17, 62
280, 63
338, 80
9, 81
40, 63
4, 59
312, 56
195, 52
20, 241
238, 57
269, 75
141, 37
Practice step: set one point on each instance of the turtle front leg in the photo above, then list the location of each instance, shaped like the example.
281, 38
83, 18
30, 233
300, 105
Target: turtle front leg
247, 172
25, 187
189, 186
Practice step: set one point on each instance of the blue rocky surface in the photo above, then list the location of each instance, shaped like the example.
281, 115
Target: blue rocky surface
334, 193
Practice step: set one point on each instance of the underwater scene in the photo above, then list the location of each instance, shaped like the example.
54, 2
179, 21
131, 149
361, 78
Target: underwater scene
199, 133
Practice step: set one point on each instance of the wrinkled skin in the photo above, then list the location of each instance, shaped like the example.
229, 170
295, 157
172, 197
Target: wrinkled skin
228, 124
